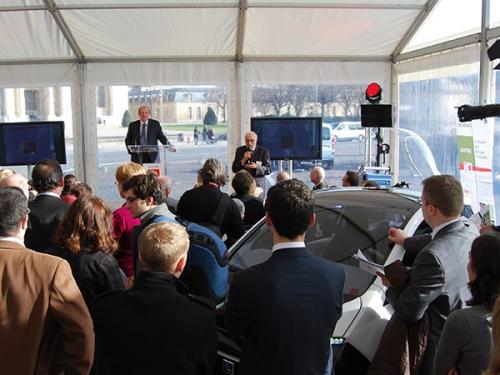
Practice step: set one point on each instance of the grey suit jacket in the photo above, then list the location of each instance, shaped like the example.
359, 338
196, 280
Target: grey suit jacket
438, 281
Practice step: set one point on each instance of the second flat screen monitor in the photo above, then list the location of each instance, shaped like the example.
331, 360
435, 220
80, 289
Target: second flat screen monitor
289, 138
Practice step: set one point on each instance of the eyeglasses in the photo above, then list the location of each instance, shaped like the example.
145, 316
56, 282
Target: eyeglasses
132, 198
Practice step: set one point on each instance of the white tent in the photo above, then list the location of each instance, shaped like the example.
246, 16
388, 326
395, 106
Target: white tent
84, 44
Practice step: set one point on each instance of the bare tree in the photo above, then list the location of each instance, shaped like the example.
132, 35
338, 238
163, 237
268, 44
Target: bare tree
218, 97
299, 97
277, 97
350, 98
325, 95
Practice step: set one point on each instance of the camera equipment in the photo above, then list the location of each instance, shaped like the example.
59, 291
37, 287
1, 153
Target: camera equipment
469, 113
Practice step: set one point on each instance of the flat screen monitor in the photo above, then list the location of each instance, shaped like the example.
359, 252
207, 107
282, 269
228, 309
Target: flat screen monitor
289, 138
376, 115
25, 143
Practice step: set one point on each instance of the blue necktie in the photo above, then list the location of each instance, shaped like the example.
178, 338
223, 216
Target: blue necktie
143, 134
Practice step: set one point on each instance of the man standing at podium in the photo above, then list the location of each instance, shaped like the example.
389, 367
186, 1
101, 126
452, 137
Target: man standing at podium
145, 131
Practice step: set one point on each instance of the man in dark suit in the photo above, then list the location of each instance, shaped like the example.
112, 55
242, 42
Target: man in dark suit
438, 281
145, 131
156, 326
286, 308
317, 177
47, 209
251, 157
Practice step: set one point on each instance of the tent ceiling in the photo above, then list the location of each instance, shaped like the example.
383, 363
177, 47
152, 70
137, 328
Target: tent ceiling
206, 30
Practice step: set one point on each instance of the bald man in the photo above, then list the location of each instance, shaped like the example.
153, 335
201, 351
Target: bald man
16, 180
251, 157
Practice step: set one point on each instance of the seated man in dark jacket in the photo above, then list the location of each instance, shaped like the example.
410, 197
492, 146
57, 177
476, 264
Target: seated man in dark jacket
156, 327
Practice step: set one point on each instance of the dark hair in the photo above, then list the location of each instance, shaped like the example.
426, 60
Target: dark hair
145, 185
81, 190
485, 262
290, 205
46, 175
69, 183
243, 182
352, 178
371, 183
445, 192
86, 225
13, 207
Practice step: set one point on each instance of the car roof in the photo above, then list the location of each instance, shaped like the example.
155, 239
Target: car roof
360, 197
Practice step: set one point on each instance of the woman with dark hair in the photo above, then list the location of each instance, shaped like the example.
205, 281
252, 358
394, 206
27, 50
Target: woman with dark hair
208, 206
465, 342
70, 182
494, 365
84, 238
244, 186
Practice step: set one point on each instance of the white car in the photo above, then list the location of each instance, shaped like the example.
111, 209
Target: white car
328, 146
349, 131
347, 220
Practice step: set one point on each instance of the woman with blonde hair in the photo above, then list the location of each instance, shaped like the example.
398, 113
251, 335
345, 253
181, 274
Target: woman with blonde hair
123, 222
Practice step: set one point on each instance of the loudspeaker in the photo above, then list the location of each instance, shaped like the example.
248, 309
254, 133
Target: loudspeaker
376, 115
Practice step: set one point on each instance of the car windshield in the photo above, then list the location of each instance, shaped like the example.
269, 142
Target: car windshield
346, 221
326, 134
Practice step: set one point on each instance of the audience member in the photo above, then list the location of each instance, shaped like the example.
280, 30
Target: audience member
162, 327
81, 190
465, 343
438, 281
218, 212
16, 180
317, 177
244, 184
45, 327
351, 178
47, 209
70, 182
6, 172
370, 184
282, 176
292, 299
166, 188
123, 222
145, 201
494, 364
84, 238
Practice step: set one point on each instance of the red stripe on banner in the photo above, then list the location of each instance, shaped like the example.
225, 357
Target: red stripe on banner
473, 168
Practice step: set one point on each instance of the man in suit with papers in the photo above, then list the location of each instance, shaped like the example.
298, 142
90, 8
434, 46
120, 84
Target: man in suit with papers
438, 280
286, 308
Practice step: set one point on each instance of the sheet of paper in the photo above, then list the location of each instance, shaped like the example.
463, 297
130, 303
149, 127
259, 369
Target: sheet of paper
367, 265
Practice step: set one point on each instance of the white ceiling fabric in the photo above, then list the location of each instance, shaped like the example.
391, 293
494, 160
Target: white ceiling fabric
103, 30
31, 35
154, 32
325, 32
